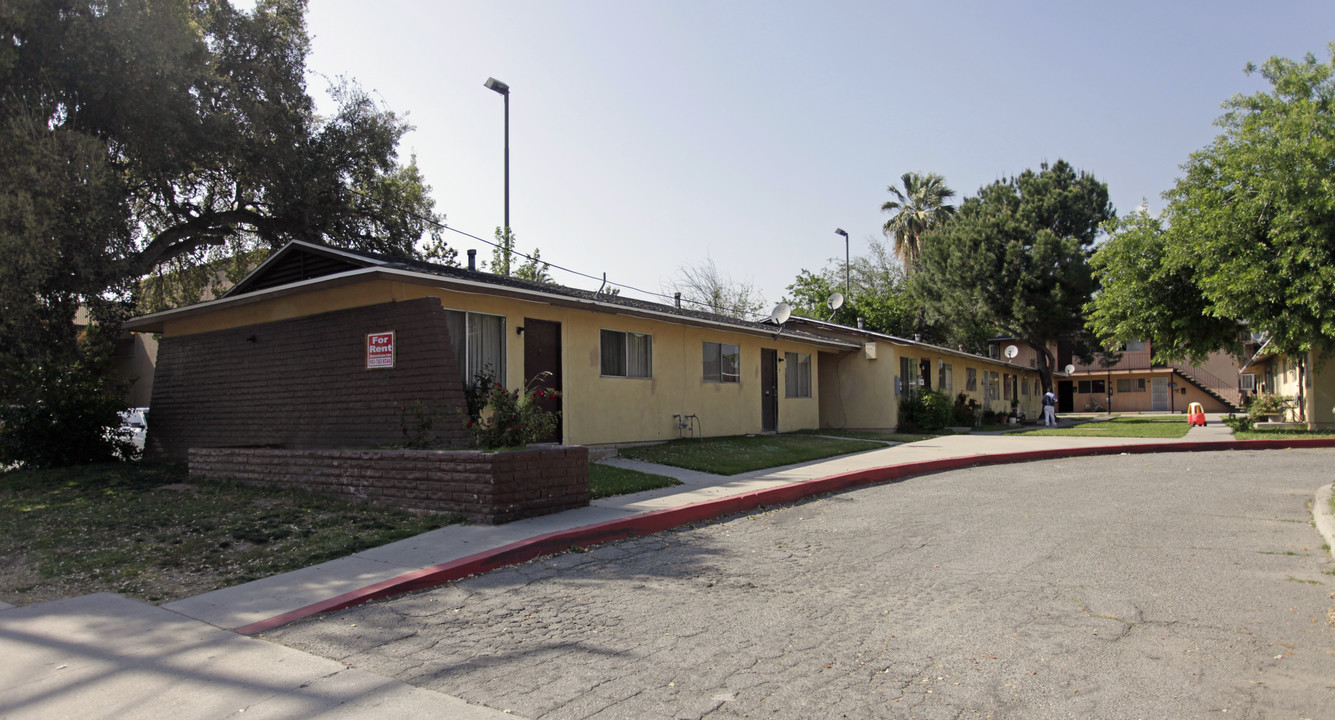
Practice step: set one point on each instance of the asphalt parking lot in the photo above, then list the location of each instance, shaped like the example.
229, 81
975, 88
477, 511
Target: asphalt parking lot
1146, 586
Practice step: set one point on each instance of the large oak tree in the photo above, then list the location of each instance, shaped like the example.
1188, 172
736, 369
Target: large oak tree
143, 135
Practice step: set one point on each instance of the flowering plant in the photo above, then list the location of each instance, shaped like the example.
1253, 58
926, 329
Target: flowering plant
418, 433
513, 418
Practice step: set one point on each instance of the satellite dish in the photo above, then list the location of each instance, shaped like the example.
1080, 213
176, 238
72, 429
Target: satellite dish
1012, 351
836, 301
780, 313
1070, 369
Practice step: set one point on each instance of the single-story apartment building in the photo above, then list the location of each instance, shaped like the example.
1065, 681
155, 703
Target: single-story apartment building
1308, 381
321, 347
289, 357
861, 390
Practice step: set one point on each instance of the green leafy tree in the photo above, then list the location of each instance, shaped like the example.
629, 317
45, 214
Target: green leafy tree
503, 262
1016, 258
502, 251
142, 134
534, 268
1250, 236
918, 208
880, 296
1148, 290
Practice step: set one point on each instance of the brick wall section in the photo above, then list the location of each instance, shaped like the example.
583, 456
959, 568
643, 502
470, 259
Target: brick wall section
489, 488
303, 383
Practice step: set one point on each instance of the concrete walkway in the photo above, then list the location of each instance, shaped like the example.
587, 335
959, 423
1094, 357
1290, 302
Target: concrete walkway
108, 656
243, 605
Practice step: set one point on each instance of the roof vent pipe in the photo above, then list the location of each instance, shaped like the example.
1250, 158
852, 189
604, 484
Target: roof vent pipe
860, 321
678, 297
472, 260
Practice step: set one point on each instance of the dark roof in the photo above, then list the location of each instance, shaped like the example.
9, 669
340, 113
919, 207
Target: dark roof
838, 329
300, 261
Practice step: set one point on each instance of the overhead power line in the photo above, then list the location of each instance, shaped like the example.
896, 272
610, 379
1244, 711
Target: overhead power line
440, 225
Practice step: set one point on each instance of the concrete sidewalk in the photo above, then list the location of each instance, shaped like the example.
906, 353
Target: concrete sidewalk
108, 656
242, 605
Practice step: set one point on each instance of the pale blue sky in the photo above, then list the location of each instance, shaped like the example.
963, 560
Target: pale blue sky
647, 135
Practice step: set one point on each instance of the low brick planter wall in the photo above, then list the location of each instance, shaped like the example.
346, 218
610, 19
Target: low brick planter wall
490, 488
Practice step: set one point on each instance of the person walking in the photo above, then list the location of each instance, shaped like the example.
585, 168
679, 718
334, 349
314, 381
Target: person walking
1049, 408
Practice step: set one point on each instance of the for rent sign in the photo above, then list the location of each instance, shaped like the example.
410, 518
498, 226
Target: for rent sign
380, 350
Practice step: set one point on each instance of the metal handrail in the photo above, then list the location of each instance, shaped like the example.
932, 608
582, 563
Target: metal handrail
1226, 390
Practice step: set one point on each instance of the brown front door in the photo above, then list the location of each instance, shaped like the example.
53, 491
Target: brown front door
769, 390
542, 354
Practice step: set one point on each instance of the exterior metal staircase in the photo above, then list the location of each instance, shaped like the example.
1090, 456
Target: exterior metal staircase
1211, 385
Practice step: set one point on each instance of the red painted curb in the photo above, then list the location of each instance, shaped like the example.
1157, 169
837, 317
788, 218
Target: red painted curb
659, 520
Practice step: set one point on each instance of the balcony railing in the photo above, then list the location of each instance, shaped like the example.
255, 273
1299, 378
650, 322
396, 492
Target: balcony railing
1140, 360
1129, 360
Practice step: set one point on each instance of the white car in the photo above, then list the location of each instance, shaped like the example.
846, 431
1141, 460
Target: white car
135, 420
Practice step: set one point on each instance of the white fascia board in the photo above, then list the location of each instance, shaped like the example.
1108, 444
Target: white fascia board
466, 285
319, 249
895, 339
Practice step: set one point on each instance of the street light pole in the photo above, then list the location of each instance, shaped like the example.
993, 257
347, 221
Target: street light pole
500, 87
847, 283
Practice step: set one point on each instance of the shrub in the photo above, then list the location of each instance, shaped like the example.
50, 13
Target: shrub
513, 418
925, 411
1239, 424
965, 411
70, 415
419, 433
477, 392
1266, 404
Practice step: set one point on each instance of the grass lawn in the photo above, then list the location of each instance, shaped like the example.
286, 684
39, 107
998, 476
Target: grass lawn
144, 531
743, 453
608, 480
1127, 426
1280, 434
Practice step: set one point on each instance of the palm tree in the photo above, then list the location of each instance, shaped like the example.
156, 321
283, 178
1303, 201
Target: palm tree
918, 208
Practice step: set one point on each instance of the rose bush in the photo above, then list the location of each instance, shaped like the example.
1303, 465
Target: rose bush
513, 418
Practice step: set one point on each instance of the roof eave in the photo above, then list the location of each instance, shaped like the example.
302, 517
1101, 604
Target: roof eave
154, 322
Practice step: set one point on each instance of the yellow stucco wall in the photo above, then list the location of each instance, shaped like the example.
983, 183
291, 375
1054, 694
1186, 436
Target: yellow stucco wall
595, 409
860, 392
1177, 401
1321, 393
1278, 375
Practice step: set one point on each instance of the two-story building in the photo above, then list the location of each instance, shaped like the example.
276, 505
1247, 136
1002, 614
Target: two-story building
1130, 380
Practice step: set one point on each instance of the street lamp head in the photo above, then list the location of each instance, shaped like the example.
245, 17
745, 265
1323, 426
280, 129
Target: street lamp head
494, 84
840, 231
